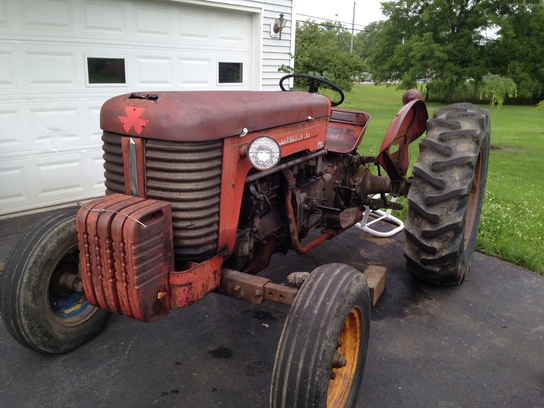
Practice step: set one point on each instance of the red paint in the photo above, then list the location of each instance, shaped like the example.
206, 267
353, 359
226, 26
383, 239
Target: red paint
126, 255
406, 127
133, 119
188, 286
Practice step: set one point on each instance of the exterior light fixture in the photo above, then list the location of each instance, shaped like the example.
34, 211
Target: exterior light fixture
279, 25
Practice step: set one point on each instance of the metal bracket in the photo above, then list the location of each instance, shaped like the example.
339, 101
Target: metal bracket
254, 289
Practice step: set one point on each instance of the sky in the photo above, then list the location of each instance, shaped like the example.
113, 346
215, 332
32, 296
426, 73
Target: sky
366, 11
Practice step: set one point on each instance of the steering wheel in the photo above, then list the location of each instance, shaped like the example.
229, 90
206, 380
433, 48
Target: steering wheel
314, 85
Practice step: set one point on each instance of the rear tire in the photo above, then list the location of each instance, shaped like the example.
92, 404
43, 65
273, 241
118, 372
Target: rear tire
328, 324
38, 311
446, 196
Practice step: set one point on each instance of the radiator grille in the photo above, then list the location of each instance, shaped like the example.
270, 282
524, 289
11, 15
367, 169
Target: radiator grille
113, 163
188, 176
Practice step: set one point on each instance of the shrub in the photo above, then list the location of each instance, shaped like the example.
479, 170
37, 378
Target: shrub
497, 88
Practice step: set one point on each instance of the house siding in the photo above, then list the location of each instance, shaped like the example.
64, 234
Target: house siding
276, 52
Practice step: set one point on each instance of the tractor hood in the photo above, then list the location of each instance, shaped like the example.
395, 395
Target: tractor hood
207, 115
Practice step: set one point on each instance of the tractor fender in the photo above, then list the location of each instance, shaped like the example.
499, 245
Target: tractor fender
409, 124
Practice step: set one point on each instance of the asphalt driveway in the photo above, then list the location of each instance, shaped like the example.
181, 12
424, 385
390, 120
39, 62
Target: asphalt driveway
477, 345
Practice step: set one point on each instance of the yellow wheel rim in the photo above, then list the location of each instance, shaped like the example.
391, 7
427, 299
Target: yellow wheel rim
344, 364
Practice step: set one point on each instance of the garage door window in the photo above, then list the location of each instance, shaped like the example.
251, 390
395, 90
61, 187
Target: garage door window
230, 72
106, 71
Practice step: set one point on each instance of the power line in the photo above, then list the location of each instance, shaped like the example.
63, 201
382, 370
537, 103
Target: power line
328, 19
344, 28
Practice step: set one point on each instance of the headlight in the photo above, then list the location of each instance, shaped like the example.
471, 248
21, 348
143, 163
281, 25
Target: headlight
264, 153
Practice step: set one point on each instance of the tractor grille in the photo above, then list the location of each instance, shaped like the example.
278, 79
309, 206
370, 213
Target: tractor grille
113, 163
186, 175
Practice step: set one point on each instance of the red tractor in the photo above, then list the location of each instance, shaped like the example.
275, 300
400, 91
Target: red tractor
202, 188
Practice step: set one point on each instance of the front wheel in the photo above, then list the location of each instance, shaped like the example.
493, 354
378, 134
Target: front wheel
42, 301
322, 350
446, 196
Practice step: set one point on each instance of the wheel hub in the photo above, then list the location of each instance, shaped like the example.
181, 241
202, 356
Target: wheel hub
344, 362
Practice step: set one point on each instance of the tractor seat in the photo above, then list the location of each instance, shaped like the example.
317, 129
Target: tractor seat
346, 130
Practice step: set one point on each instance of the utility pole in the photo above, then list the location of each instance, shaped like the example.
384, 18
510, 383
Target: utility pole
352, 28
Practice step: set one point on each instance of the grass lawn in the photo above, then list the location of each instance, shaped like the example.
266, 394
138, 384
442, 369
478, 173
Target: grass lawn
512, 224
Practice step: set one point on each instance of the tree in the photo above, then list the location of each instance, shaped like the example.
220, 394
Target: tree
324, 48
451, 45
518, 50
441, 41
364, 39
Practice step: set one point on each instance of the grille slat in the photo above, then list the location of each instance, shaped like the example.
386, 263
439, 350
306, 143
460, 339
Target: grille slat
179, 185
190, 197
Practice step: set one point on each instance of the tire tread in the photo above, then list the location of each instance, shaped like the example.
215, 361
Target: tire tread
298, 361
440, 191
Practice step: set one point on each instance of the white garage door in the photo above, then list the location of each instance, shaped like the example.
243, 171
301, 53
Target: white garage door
61, 59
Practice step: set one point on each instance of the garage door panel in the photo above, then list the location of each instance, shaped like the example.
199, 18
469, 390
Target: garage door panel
153, 21
47, 14
10, 135
94, 171
197, 73
50, 69
232, 28
67, 176
46, 128
55, 127
63, 127
59, 177
155, 71
7, 69
104, 17
16, 188
4, 14
194, 26
90, 122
